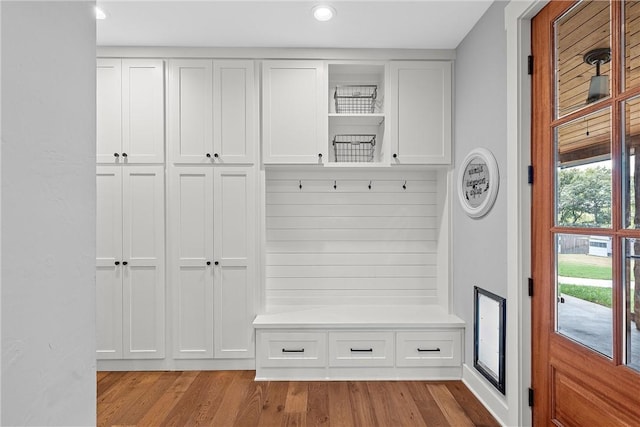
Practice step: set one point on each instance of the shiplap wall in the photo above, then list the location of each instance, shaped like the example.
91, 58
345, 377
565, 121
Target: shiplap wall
351, 244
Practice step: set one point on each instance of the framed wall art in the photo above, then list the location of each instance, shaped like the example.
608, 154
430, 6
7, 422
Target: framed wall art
478, 182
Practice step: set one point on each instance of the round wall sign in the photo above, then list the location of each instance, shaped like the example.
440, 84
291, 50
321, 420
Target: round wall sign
478, 181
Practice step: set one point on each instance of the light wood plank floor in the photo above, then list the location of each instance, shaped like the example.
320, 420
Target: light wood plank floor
233, 398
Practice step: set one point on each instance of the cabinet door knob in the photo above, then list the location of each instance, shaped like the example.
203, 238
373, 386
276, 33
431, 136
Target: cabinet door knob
319, 155
208, 262
215, 155
125, 263
208, 154
395, 156
116, 155
124, 154
216, 263
117, 263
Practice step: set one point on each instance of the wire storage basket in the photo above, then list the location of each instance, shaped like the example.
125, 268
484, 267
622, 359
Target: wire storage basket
354, 148
355, 99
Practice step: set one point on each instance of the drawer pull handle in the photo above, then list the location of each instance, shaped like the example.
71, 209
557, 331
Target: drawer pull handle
299, 350
428, 349
362, 350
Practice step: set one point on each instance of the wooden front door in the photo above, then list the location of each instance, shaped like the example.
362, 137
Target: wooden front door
586, 214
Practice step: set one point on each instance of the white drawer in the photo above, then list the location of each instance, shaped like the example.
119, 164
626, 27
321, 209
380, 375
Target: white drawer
429, 348
354, 349
292, 349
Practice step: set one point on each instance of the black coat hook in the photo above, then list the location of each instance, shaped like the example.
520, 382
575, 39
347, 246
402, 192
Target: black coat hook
404, 186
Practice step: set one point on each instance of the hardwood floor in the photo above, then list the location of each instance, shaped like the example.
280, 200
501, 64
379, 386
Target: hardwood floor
233, 398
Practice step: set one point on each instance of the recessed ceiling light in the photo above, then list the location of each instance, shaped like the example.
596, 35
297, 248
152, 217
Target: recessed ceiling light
323, 12
100, 13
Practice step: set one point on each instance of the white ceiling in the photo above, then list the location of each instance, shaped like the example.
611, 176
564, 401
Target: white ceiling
425, 24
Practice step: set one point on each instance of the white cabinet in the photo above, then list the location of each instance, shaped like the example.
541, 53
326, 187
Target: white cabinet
130, 111
233, 245
191, 243
420, 112
292, 349
108, 253
130, 262
429, 348
108, 110
213, 242
294, 112
211, 111
358, 349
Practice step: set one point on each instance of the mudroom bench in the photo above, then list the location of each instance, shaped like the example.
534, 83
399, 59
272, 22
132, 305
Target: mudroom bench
359, 343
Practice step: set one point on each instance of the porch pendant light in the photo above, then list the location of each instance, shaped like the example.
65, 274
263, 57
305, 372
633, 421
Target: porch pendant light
599, 86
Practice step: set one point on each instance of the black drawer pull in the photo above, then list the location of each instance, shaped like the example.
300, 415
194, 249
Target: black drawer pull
298, 350
362, 350
428, 349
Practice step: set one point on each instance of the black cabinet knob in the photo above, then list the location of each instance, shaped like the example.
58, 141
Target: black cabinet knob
124, 154
215, 155
124, 263
216, 263
208, 154
320, 155
395, 156
208, 262
116, 155
117, 263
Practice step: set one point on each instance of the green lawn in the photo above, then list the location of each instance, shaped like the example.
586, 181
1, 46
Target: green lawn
584, 266
594, 294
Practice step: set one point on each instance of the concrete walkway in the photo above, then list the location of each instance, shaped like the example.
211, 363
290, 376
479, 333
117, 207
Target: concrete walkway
592, 325
600, 283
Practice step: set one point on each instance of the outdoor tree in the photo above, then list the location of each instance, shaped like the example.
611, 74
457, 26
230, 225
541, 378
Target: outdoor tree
584, 196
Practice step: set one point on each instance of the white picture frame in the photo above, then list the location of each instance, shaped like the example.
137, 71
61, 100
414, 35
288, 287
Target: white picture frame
478, 182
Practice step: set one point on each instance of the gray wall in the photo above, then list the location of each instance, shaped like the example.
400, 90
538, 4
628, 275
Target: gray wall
479, 245
48, 213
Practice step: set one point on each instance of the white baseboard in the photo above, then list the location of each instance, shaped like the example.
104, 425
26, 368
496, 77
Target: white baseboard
177, 365
486, 394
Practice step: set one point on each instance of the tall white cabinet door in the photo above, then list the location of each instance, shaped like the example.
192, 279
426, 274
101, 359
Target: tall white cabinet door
234, 107
108, 110
234, 243
109, 262
191, 111
420, 102
191, 234
294, 112
143, 253
143, 110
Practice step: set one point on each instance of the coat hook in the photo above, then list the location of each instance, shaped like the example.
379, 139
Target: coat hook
300, 182
369, 185
404, 186
335, 185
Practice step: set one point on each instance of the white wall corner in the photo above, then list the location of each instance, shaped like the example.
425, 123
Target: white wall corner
486, 394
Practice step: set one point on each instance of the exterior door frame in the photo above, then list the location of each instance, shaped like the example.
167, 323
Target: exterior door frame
518, 15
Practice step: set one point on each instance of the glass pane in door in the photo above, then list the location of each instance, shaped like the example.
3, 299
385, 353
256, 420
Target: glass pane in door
583, 55
583, 173
631, 44
631, 168
631, 249
584, 290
